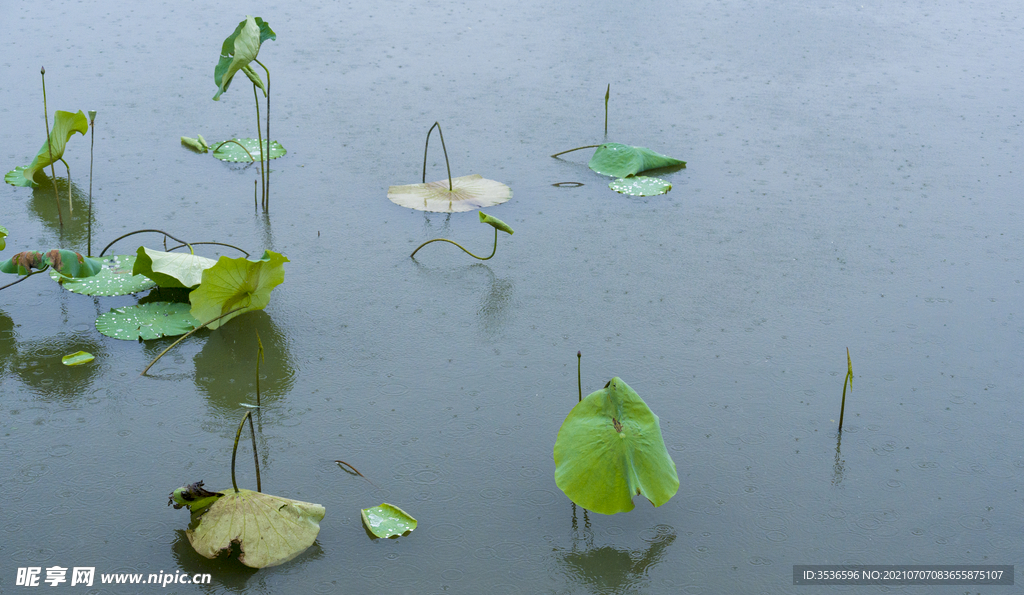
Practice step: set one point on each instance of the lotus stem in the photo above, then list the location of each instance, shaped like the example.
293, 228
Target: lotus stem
71, 208
576, 149
255, 458
187, 335
92, 145
445, 149
849, 378
251, 158
266, 189
209, 244
25, 277
263, 154
259, 356
49, 147
579, 383
607, 94
463, 249
167, 235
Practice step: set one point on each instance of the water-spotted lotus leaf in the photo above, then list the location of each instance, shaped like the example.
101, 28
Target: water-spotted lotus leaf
495, 223
640, 186
467, 193
196, 144
65, 124
147, 321
171, 269
229, 151
115, 278
235, 283
610, 449
388, 520
618, 160
239, 49
77, 358
65, 262
269, 530
3, 236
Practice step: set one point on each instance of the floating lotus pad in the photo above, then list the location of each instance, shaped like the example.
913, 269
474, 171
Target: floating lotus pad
115, 278
65, 125
147, 321
229, 151
239, 49
171, 269
610, 449
236, 283
640, 186
388, 521
618, 160
77, 359
269, 530
467, 193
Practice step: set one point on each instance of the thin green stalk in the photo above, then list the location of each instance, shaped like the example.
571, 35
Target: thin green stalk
71, 208
167, 235
25, 277
463, 249
219, 145
208, 244
579, 383
49, 147
849, 378
576, 149
259, 357
266, 189
255, 458
263, 153
187, 335
607, 94
445, 149
92, 145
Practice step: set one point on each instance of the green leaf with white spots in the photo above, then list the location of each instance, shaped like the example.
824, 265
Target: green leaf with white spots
388, 520
248, 152
640, 186
147, 321
115, 278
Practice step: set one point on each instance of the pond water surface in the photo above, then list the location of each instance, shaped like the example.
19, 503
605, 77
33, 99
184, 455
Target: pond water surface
853, 181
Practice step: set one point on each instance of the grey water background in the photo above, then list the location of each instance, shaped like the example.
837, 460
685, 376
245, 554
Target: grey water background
853, 180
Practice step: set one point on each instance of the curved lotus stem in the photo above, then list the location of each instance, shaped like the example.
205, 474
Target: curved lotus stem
187, 335
25, 277
117, 239
255, 458
460, 247
576, 149
425, 145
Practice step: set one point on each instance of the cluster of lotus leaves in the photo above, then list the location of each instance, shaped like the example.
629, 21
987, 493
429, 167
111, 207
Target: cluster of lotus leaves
269, 530
466, 194
65, 125
625, 161
610, 449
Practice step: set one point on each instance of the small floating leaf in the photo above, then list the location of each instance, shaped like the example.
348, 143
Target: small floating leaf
388, 520
65, 125
640, 186
147, 321
3, 236
467, 193
77, 359
115, 278
495, 223
229, 151
618, 160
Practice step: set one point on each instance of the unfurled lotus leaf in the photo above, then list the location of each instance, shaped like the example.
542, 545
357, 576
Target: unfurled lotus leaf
495, 223
3, 237
388, 520
269, 530
196, 144
115, 278
239, 49
147, 321
610, 449
194, 496
640, 186
618, 160
65, 124
236, 284
467, 193
171, 269
77, 358
230, 151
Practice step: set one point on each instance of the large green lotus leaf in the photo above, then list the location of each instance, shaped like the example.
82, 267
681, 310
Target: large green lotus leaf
388, 520
229, 151
610, 449
467, 193
171, 269
235, 283
147, 321
239, 49
115, 278
65, 124
640, 186
3, 237
618, 160
269, 530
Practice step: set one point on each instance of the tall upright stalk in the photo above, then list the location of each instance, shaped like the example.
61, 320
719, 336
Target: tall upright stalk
263, 152
849, 378
579, 383
607, 94
49, 147
255, 457
266, 187
92, 144
445, 149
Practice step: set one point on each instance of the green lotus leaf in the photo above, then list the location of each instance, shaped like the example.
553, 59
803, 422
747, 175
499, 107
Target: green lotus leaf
388, 520
269, 530
239, 49
3, 237
236, 283
467, 193
640, 186
619, 161
22, 263
610, 449
171, 269
147, 321
194, 144
115, 278
229, 151
77, 358
194, 496
495, 223
65, 125
255, 78
72, 264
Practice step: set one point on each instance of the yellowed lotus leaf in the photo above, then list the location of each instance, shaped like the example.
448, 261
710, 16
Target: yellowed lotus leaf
467, 193
269, 530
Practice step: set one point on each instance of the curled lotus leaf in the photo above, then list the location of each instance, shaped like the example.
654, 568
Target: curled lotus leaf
65, 125
618, 160
640, 186
3, 237
467, 193
269, 530
171, 269
239, 49
66, 263
610, 449
236, 284
388, 521
194, 496
495, 223
22, 263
